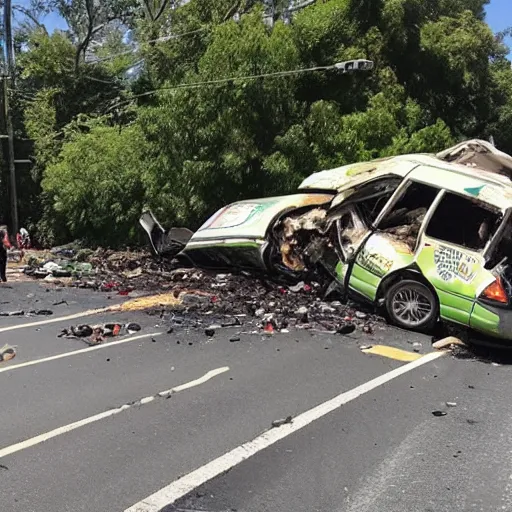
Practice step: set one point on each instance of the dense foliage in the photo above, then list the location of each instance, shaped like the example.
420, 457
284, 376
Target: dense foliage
116, 128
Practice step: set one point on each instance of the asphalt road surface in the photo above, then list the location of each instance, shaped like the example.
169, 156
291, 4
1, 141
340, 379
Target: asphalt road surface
183, 422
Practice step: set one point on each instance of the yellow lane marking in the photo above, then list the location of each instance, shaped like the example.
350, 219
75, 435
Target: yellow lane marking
392, 353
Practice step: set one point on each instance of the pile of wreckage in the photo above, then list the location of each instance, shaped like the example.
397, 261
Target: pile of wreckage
198, 300
256, 305
101, 269
203, 299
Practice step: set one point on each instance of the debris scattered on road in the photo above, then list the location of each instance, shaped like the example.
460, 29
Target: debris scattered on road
38, 312
234, 339
41, 312
439, 413
195, 300
7, 352
448, 342
231, 322
281, 422
12, 313
96, 337
133, 328
101, 269
346, 329
95, 334
134, 273
366, 347
81, 331
269, 328
451, 404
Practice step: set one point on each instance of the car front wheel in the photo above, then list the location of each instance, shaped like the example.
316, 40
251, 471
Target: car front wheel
412, 305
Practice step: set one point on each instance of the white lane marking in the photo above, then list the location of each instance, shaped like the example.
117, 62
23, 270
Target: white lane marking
79, 351
182, 486
196, 382
58, 319
9, 450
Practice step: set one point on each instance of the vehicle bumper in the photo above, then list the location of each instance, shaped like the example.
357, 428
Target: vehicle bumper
492, 321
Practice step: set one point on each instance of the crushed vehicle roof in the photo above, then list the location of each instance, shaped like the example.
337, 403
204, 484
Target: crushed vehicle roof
473, 168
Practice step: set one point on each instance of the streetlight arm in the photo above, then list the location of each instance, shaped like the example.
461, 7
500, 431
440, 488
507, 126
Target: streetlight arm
354, 65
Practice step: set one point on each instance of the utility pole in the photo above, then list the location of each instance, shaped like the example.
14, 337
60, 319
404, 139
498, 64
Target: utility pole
7, 81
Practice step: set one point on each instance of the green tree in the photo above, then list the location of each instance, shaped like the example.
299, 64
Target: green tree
208, 144
184, 150
88, 19
95, 185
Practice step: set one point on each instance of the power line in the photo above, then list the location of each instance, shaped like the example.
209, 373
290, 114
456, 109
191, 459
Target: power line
170, 37
343, 67
158, 40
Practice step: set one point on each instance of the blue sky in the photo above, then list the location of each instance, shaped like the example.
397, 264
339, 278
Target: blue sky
499, 17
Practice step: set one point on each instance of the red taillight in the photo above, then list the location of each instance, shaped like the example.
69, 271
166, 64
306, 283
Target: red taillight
496, 292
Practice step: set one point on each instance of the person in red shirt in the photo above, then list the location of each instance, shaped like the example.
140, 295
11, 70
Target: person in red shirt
4, 245
23, 239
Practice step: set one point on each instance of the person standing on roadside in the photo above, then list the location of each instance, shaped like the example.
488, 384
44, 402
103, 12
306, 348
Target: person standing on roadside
4, 245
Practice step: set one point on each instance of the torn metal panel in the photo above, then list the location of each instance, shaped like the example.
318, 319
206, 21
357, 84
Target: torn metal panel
296, 233
349, 176
164, 243
312, 220
479, 154
306, 242
252, 219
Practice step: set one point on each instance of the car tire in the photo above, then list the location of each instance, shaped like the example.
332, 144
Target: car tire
412, 305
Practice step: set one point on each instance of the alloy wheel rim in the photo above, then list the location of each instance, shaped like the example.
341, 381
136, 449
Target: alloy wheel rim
411, 307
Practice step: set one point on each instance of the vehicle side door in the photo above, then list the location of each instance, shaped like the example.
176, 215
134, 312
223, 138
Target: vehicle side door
451, 252
393, 241
353, 213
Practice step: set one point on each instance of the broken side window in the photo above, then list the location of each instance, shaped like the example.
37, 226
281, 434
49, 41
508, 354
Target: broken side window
404, 220
503, 251
351, 231
373, 196
463, 222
